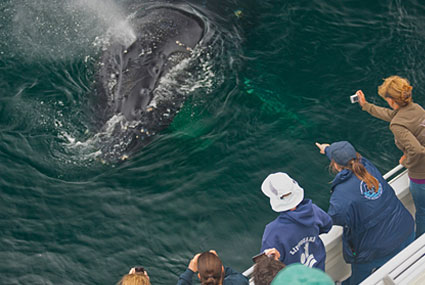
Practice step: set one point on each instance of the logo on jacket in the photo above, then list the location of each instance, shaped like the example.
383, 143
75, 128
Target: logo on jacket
370, 193
306, 258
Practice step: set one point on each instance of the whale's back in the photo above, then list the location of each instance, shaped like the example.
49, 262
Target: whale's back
130, 73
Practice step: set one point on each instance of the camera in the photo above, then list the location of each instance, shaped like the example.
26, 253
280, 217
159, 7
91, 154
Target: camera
354, 98
257, 257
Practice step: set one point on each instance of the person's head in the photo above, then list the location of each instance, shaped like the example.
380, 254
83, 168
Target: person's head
137, 276
283, 191
396, 89
344, 156
266, 269
210, 269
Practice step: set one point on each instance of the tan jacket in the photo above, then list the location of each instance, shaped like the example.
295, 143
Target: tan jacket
408, 126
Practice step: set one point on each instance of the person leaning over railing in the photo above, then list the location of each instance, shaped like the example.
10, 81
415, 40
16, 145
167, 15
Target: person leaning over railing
295, 232
376, 225
211, 271
407, 122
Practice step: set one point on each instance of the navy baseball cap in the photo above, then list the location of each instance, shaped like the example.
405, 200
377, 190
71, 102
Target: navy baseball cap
341, 152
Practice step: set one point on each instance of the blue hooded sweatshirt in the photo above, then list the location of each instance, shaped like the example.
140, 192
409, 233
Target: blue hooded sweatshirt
375, 223
295, 234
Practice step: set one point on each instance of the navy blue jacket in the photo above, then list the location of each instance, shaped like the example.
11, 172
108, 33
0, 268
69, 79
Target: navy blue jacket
295, 234
231, 277
375, 224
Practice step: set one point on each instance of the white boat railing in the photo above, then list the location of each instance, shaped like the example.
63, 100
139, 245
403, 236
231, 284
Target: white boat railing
393, 171
407, 267
335, 264
249, 272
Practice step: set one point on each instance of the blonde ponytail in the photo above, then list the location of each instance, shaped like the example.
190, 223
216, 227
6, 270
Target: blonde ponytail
360, 171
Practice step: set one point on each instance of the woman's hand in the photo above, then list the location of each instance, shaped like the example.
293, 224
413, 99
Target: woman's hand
322, 147
362, 99
193, 265
402, 159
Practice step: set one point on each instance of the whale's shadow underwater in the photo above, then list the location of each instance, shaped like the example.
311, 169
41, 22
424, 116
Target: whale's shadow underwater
129, 108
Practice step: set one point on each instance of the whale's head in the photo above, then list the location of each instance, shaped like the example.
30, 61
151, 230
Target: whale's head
129, 74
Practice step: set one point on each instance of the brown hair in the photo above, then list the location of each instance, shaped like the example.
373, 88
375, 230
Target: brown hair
266, 269
396, 88
210, 269
134, 279
360, 171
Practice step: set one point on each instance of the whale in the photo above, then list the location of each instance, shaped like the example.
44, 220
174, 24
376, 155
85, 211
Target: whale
129, 106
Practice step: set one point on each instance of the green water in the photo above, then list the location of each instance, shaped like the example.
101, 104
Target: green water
288, 70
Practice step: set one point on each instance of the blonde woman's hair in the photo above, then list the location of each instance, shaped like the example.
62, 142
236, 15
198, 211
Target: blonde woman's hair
396, 88
360, 171
134, 279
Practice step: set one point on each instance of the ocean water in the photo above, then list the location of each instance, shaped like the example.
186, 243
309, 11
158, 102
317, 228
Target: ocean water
276, 79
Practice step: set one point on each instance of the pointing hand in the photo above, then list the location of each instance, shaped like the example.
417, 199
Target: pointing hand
322, 147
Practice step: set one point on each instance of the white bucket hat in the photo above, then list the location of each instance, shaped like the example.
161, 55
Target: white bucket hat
283, 191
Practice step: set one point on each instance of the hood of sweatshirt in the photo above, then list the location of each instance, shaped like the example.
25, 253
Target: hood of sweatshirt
303, 214
342, 176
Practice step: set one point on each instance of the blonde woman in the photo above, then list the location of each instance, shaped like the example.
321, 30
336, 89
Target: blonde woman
136, 276
407, 122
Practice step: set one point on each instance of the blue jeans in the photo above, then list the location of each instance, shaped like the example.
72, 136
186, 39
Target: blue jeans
360, 271
418, 194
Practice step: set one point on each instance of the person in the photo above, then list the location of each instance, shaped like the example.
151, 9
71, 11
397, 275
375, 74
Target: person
298, 274
266, 267
295, 232
136, 276
211, 271
407, 122
376, 225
